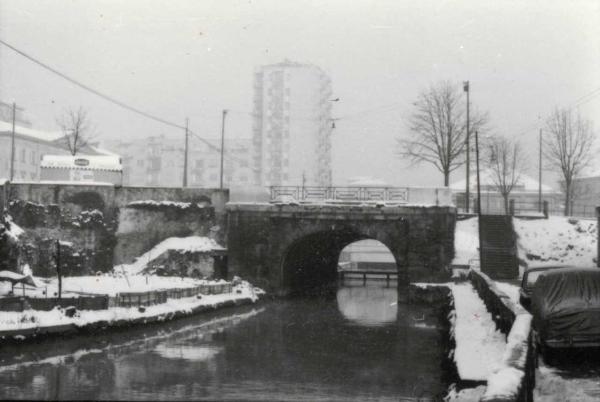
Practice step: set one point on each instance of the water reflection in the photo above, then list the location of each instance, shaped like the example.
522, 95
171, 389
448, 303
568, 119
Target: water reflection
368, 305
350, 348
187, 352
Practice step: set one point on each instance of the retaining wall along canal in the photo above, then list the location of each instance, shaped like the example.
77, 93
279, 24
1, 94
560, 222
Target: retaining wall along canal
515, 378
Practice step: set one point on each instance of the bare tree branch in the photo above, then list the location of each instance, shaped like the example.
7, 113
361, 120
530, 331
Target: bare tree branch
77, 130
506, 161
438, 129
568, 148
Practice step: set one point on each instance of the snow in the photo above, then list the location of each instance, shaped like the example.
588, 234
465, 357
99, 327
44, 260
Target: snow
68, 183
366, 181
512, 291
479, 345
504, 383
85, 162
190, 244
153, 203
14, 230
465, 395
35, 318
466, 241
550, 386
29, 132
556, 241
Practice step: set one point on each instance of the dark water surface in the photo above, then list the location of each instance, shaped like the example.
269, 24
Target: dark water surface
356, 346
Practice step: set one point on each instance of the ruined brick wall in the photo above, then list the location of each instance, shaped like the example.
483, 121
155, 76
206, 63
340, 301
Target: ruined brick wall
143, 226
88, 238
100, 223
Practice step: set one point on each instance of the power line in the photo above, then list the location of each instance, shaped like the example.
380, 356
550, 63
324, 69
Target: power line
588, 97
92, 90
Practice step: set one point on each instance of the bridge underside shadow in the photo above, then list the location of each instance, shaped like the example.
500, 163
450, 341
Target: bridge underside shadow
310, 264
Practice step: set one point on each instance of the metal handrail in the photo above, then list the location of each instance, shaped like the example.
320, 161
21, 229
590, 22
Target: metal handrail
345, 193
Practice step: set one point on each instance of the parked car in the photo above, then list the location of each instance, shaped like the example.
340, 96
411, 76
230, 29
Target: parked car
565, 304
530, 277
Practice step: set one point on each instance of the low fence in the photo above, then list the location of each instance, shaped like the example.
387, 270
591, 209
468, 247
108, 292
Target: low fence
515, 378
103, 302
405, 195
138, 299
20, 303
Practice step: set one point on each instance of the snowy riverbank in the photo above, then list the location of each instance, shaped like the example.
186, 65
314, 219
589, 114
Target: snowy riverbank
31, 323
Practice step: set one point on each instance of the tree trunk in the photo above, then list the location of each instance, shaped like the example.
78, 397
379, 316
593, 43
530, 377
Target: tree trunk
506, 208
567, 198
446, 179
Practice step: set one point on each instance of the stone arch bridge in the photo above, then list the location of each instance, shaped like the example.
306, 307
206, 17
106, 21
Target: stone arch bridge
291, 248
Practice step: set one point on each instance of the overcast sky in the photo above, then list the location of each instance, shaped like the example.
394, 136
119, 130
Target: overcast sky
194, 58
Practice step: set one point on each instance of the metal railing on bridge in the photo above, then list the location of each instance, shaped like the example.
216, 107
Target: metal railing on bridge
396, 195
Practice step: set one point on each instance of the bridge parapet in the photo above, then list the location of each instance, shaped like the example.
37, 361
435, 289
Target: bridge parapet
364, 194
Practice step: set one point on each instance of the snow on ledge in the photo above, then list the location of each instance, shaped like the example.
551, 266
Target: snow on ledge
189, 244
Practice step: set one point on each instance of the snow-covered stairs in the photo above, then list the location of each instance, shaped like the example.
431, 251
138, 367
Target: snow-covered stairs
498, 247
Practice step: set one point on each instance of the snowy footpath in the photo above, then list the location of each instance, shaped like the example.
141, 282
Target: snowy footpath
479, 345
30, 323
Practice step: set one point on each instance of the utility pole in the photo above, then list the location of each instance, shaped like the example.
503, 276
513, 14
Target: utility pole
540, 176
12, 143
478, 194
58, 271
185, 155
303, 184
222, 146
466, 89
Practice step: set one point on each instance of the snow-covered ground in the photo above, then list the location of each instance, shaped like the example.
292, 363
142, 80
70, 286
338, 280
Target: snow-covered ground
557, 240
511, 290
550, 386
105, 285
35, 318
479, 345
466, 241
191, 244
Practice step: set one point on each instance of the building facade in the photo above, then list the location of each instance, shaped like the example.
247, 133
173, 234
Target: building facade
292, 125
104, 169
29, 147
158, 161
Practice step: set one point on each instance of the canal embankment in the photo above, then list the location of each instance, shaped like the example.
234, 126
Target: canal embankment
513, 379
124, 310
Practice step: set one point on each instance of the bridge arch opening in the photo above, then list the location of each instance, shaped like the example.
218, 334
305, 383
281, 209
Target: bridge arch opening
313, 264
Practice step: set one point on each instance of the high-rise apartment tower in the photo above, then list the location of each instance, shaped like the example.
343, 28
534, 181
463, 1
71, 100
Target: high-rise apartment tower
292, 125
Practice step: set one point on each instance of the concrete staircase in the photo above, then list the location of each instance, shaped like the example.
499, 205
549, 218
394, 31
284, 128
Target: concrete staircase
498, 247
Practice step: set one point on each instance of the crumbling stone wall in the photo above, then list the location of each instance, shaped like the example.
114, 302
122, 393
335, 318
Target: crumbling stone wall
88, 238
142, 226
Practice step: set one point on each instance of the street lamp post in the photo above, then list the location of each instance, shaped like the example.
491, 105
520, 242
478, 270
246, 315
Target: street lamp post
466, 89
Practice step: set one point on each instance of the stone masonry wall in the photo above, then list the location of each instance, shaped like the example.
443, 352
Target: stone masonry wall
98, 224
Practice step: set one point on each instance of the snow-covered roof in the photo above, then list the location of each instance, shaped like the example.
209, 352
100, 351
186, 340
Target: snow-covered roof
486, 178
366, 181
87, 162
49, 136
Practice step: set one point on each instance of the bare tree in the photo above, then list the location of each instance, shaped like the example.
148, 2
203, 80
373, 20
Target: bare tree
77, 129
506, 162
438, 129
568, 148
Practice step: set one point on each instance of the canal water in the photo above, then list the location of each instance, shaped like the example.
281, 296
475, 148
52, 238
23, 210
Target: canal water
358, 345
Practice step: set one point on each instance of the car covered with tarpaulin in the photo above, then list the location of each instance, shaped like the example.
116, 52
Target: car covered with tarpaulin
565, 304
